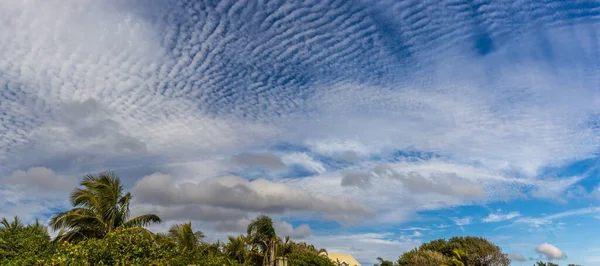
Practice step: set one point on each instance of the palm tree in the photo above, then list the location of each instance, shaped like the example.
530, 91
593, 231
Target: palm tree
7, 226
99, 208
184, 237
262, 233
236, 248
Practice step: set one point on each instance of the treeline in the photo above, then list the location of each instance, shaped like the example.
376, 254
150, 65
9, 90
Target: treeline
99, 231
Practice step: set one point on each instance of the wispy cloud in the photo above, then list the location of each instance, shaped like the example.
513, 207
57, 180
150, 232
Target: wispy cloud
499, 217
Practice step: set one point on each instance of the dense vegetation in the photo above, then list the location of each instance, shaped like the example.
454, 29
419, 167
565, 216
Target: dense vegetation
99, 231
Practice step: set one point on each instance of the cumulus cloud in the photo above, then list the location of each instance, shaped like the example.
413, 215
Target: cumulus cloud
286, 229
499, 217
551, 252
40, 179
516, 257
240, 194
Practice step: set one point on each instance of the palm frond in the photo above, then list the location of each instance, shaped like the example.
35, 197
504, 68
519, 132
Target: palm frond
142, 220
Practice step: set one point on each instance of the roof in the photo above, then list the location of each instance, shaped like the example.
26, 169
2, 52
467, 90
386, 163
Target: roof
347, 258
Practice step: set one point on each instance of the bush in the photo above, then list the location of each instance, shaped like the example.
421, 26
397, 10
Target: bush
117, 248
24, 245
308, 259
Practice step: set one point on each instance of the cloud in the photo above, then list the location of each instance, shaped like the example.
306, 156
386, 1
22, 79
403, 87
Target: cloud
516, 257
548, 219
286, 229
551, 252
499, 217
355, 178
555, 188
440, 183
266, 160
190, 212
305, 161
462, 221
240, 194
41, 180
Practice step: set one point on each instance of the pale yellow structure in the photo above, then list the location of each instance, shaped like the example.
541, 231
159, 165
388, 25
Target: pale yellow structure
343, 259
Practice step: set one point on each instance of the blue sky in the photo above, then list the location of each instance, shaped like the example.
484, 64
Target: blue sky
364, 127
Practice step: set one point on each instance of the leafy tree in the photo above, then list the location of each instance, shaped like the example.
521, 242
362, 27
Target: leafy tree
383, 262
308, 259
481, 252
23, 244
262, 234
99, 208
422, 257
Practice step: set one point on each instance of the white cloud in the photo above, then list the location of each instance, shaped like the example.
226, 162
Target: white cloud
548, 219
499, 217
516, 257
462, 221
286, 229
551, 252
305, 161
41, 180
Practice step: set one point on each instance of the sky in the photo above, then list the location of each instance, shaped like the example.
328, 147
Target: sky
363, 127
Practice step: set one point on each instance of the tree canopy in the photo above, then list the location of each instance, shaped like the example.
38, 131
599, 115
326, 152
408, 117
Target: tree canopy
473, 251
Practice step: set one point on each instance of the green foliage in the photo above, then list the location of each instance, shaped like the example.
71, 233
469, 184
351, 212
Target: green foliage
99, 208
23, 245
459, 258
308, 259
122, 247
422, 257
383, 262
480, 251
